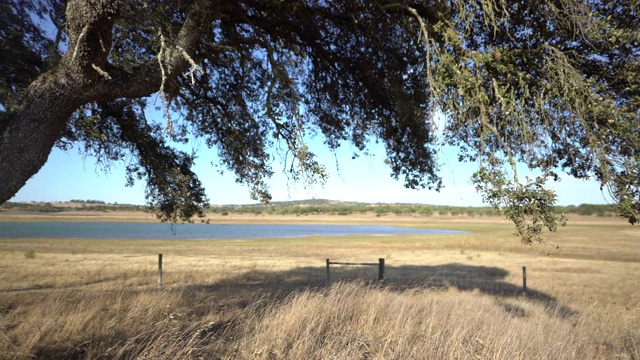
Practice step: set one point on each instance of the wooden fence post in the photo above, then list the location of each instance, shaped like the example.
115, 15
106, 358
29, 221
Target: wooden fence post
328, 277
524, 279
380, 269
159, 270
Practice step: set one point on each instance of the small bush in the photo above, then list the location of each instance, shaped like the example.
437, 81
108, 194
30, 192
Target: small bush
383, 210
426, 211
31, 254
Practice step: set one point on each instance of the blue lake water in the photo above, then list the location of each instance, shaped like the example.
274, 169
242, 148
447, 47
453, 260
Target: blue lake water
123, 230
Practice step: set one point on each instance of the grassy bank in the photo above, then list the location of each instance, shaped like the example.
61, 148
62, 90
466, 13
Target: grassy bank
454, 296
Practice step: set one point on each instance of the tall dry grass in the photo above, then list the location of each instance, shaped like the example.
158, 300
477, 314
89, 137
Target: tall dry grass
343, 321
351, 321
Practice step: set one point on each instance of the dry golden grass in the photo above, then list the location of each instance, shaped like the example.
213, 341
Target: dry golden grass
350, 321
454, 296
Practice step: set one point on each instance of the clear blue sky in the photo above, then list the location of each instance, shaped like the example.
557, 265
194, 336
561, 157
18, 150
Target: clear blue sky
67, 175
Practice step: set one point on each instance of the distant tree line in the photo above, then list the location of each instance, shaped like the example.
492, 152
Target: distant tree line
88, 201
86, 205
306, 207
336, 208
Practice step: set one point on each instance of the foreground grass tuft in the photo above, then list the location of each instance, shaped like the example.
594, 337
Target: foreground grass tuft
30, 254
350, 321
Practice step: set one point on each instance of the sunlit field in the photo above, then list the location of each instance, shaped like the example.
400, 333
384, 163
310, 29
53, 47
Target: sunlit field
444, 296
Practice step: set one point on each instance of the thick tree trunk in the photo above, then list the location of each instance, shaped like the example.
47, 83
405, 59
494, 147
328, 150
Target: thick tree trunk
25, 144
84, 75
27, 138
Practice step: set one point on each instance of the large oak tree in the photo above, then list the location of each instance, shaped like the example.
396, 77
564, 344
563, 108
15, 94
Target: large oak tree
552, 84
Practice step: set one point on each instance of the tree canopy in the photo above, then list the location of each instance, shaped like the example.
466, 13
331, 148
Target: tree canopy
552, 84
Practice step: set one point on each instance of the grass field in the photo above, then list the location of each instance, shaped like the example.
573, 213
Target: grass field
450, 296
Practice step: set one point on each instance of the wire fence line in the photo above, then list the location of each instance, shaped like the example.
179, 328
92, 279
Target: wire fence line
454, 275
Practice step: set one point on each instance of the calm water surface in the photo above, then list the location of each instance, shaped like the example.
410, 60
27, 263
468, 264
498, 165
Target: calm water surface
120, 230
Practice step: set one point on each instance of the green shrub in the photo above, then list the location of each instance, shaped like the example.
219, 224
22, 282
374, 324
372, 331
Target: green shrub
48, 208
381, 211
31, 254
426, 210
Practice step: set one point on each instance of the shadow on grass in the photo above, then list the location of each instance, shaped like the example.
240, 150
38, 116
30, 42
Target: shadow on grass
82, 282
487, 280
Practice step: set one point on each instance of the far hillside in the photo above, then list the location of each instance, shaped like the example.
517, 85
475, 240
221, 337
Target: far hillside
300, 207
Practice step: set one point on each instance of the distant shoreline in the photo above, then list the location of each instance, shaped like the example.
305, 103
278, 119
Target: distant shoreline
307, 211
